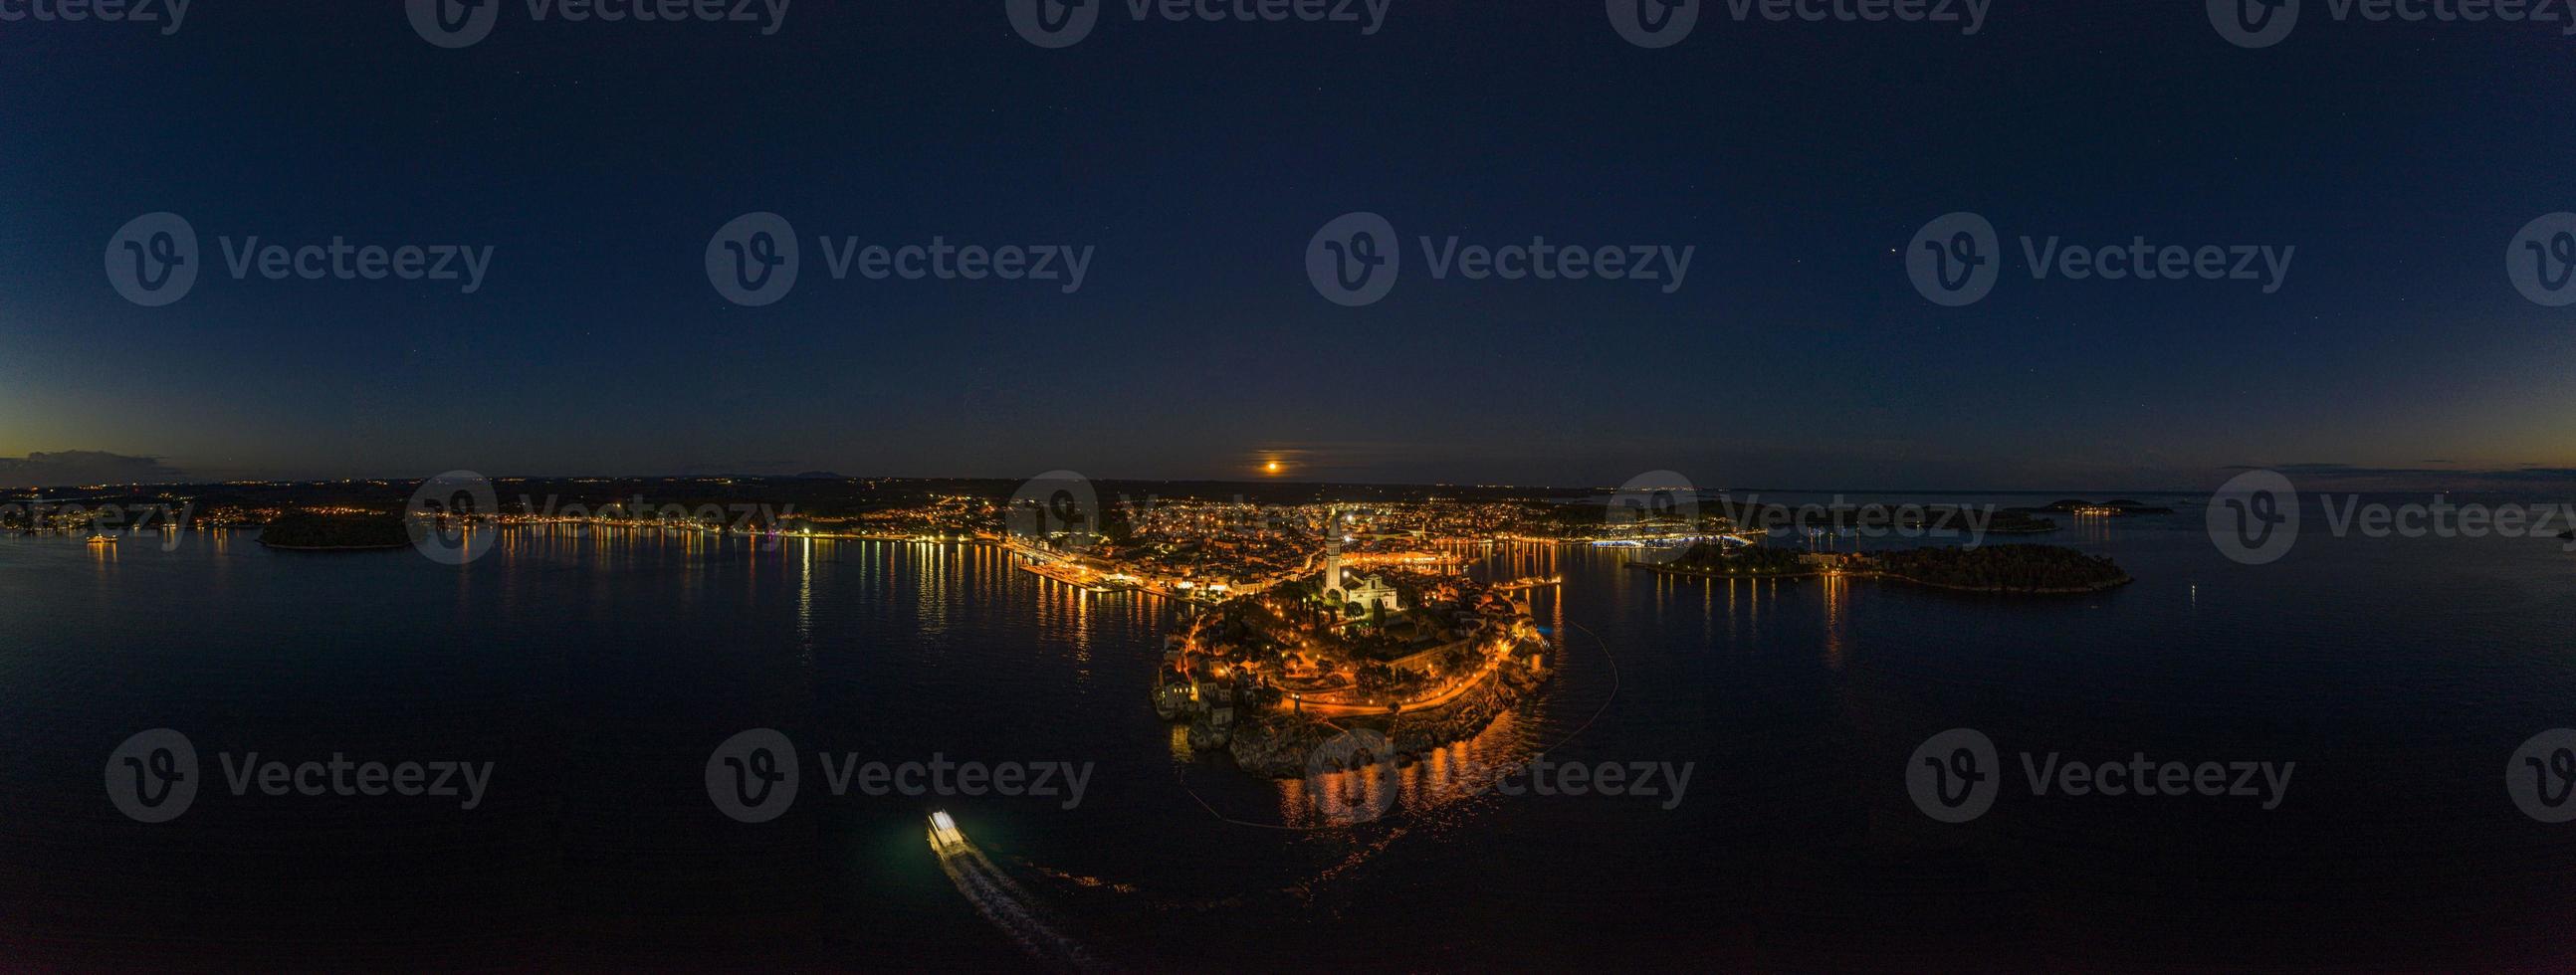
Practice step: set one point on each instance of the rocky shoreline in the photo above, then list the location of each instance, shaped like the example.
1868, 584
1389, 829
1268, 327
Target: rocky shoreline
1280, 745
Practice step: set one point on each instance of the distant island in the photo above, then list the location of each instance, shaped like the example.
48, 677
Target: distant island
2019, 570
2097, 509
1927, 519
2001, 569
310, 531
1741, 562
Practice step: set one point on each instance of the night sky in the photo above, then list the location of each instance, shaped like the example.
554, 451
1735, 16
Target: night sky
1197, 159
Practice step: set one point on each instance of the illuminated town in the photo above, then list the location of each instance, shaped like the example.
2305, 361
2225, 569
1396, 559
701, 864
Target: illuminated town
1202, 544
1417, 651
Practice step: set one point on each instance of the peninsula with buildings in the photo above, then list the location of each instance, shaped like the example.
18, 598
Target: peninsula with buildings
1424, 656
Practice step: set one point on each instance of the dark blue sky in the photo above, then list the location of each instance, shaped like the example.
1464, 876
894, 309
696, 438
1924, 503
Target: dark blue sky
1197, 160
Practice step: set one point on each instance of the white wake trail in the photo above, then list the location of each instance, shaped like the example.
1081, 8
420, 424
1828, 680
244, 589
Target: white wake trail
1010, 908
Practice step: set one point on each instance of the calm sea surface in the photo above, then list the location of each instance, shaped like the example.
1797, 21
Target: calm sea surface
597, 672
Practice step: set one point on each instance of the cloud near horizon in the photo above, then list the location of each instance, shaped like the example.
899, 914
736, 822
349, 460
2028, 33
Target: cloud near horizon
75, 468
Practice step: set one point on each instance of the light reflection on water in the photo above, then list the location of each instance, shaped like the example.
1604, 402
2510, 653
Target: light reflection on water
2396, 673
1441, 780
1432, 783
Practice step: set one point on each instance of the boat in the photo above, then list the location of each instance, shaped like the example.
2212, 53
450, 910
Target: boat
944, 836
102, 539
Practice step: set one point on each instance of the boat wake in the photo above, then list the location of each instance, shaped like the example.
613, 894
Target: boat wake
1008, 906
